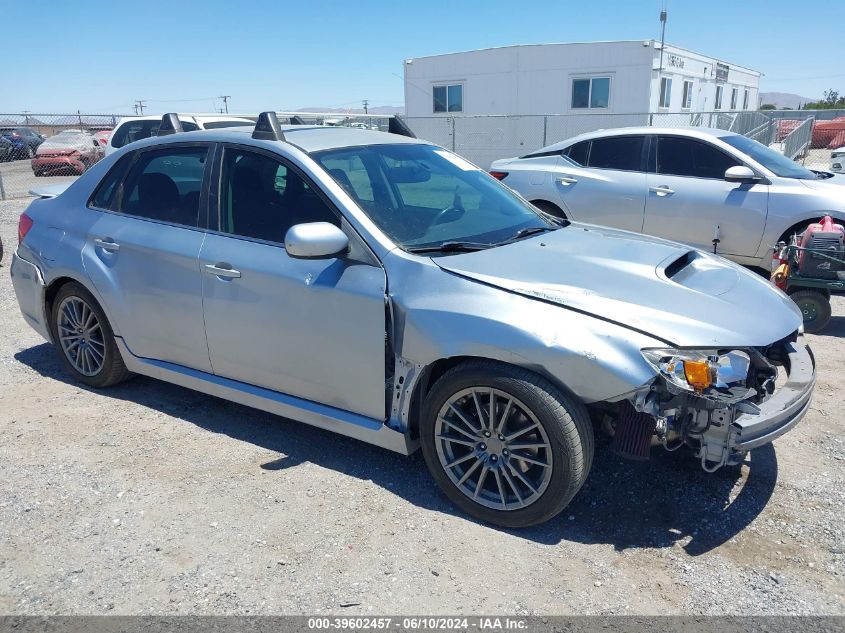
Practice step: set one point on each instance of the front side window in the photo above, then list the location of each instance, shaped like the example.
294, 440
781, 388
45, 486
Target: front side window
774, 161
665, 92
449, 98
592, 92
422, 196
623, 153
687, 101
261, 197
734, 94
718, 105
679, 156
165, 185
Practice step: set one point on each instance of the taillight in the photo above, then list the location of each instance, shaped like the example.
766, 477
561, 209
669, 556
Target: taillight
499, 175
24, 224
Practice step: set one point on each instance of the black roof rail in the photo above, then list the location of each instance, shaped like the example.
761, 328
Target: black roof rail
267, 127
170, 124
395, 125
297, 120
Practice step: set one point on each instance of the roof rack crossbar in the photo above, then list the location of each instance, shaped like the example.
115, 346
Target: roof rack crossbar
170, 124
267, 128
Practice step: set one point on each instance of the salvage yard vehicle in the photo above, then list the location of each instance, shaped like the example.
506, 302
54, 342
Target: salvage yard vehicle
70, 152
712, 189
381, 287
135, 128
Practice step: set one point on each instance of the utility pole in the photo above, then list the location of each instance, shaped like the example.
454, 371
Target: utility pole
25, 114
663, 17
366, 105
139, 106
225, 102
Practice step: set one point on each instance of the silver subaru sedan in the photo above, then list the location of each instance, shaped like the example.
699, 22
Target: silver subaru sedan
384, 288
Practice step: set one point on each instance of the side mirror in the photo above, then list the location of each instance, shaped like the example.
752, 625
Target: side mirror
740, 173
315, 240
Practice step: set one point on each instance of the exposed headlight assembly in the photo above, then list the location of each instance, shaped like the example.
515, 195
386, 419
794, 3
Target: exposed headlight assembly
705, 373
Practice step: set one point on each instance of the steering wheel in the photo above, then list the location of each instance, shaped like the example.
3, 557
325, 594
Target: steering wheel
440, 217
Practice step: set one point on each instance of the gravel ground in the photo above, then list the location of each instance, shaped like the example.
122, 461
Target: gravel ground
150, 499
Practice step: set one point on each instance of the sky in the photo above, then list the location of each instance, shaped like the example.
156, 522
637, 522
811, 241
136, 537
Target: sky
102, 56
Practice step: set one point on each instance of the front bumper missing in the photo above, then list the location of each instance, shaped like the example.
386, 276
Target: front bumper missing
731, 433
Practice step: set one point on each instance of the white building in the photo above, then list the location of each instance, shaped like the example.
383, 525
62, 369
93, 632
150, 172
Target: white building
594, 77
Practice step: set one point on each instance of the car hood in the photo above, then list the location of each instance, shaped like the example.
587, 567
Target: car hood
832, 186
685, 297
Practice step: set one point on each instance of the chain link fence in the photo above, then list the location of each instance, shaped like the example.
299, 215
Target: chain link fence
807, 136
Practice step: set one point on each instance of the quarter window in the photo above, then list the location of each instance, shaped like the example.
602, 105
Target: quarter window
578, 152
677, 156
449, 98
665, 92
591, 92
687, 100
617, 152
261, 198
105, 197
718, 105
165, 185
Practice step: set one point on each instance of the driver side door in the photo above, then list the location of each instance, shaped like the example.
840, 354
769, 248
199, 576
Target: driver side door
309, 328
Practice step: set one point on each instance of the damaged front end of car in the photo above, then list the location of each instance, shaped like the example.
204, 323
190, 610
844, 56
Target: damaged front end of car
720, 402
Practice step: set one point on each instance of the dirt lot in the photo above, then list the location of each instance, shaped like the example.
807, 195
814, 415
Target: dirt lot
149, 498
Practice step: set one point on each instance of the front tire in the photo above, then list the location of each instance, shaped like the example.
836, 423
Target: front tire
84, 339
519, 466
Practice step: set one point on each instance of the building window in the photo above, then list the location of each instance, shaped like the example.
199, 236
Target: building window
665, 92
449, 98
718, 105
686, 104
592, 92
734, 94
745, 100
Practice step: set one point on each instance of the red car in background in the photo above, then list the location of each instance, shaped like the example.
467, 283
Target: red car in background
69, 152
829, 134
102, 137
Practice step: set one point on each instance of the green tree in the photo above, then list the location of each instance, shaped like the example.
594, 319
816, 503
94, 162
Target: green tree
768, 106
831, 101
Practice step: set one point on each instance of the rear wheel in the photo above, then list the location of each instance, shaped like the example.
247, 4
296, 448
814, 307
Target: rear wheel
550, 208
505, 445
815, 308
84, 339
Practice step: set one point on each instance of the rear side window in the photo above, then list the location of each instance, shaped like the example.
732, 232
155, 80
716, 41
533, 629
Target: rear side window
617, 152
578, 152
165, 185
105, 197
677, 156
132, 131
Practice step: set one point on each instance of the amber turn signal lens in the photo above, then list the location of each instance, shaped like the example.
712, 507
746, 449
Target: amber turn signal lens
697, 373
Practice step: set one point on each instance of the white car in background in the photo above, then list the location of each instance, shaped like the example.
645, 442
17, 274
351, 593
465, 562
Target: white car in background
837, 160
715, 190
135, 128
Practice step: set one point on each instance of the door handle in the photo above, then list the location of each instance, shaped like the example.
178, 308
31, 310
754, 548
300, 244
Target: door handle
222, 269
107, 244
566, 180
662, 190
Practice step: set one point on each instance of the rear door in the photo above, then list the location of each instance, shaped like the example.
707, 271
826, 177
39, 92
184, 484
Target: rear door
690, 201
309, 328
142, 251
609, 187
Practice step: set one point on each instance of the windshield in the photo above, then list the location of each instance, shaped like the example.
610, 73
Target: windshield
422, 196
776, 163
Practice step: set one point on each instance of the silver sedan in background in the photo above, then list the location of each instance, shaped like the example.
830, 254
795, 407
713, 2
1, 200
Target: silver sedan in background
711, 189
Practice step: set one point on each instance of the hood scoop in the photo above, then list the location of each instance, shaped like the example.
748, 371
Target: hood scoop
704, 274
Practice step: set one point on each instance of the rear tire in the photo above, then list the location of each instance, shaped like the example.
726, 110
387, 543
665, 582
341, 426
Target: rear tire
550, 208
84, 339
537, 450
815, 308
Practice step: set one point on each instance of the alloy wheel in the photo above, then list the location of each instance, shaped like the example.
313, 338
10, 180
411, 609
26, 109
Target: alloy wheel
493, 448
81, 336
